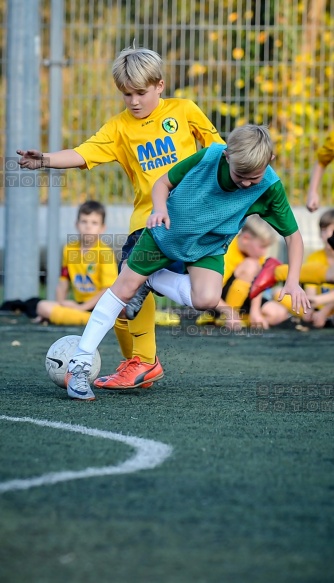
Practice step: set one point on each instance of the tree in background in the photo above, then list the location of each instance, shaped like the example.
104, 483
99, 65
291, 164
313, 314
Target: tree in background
258, 61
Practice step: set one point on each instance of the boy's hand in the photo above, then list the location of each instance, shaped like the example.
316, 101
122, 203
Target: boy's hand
157, 219
31, 159
313, 201
299, 298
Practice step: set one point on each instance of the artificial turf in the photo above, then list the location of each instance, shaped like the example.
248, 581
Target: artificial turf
246, 495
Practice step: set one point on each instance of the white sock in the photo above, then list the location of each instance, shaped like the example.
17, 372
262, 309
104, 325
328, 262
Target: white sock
175, 286
101, 321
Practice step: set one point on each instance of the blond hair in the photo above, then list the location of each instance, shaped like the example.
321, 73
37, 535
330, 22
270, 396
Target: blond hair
249, 148
259, 228
137, 69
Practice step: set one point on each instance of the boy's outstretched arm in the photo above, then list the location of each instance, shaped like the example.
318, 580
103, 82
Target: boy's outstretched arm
313, 198
34, 159
299, 298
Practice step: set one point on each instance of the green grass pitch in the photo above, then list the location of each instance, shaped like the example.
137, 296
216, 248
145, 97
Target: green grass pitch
244, 493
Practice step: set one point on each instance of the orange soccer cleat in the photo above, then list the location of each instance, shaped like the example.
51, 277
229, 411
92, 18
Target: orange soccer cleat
132, 374
265, 279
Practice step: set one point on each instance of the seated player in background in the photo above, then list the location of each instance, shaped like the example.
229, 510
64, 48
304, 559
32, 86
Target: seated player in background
325, 155
199, 206
243, 260
88, 268
322, 308
322, 301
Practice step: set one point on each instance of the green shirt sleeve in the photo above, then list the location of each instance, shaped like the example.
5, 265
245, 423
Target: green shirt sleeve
178, 172
274, 208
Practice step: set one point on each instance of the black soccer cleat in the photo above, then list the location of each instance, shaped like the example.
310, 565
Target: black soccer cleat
135, 305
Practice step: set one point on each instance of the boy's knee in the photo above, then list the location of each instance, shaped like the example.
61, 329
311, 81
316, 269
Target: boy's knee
43, 309
205, 300
248, 269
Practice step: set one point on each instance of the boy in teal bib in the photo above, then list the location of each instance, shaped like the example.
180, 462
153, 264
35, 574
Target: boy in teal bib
199, 206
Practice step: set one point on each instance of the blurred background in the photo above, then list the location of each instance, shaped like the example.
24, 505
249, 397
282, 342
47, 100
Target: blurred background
258, 61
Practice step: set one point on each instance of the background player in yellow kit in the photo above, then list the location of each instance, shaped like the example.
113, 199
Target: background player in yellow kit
243, 260
88, 269
146, 139
320, 294
325, 155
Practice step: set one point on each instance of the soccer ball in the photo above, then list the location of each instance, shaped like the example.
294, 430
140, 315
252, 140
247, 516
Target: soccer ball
59, 355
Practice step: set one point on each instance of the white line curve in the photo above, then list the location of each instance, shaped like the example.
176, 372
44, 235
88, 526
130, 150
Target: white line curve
149, 454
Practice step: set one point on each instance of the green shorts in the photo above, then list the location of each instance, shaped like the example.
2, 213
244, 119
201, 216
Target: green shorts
146, 257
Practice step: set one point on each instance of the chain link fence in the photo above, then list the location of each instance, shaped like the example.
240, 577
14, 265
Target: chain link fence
242, 61
257, 61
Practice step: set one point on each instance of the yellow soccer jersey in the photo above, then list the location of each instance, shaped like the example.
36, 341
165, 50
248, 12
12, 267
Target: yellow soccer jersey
319, 257
90, 270
325, 153
233, 258
147, 148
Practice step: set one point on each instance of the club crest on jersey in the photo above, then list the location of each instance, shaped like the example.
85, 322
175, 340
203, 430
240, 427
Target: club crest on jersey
170, 125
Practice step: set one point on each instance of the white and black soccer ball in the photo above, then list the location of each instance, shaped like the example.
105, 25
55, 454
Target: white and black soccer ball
59, 355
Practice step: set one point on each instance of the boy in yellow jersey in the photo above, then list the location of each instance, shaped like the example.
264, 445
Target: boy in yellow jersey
325, 155
88, 268
243, 260
147, 139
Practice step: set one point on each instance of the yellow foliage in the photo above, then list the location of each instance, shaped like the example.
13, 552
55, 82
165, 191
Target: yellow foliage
297, 88
234, 110
196, 69
224, 109
241, 121
289, 145
298, 130
298, 108
249, 14
309, 110
268, 87
239, 83
262, 37
233, 17
238, 53
305, 58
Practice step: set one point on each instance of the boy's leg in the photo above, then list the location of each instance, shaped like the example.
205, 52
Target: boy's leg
101, 321
275, 313
273, 271
143, 367
239, 287
124, 337
200, 289
206, 285
142, 330
174, 286
143, 362
63, 316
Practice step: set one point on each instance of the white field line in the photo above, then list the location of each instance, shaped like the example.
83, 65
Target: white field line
148, 455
